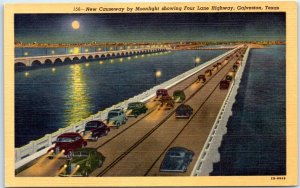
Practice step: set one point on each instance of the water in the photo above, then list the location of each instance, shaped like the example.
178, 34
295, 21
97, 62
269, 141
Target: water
255, 143
46, 99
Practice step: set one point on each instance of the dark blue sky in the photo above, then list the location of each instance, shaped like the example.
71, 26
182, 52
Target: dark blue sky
56, 28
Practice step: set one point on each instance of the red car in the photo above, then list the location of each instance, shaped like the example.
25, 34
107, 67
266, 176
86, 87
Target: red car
224, 84
162, 93
202, 78
95, 129
67, 143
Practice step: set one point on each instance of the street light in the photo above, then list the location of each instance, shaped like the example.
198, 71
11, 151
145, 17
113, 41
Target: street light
197, 60
157, 74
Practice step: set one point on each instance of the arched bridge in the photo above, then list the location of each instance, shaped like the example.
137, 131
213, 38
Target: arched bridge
81, 57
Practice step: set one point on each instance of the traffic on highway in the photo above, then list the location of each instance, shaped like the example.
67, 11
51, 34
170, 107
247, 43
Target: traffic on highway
161, 137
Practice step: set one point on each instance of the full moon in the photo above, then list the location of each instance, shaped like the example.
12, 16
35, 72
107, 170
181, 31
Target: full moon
75, 24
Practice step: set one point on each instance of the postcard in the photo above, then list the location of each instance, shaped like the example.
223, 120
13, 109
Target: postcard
150, 94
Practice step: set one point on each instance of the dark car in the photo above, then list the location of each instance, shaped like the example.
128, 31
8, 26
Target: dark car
215, 66
235, 67
66, 144
166, 103
178, 96
84, 161
177, 159
95, 129
208, 72
134, 109
224, 84
183, 111
202, 78
161, 93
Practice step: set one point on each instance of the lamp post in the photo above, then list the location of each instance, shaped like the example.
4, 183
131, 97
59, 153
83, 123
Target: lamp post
197, 60
157, 74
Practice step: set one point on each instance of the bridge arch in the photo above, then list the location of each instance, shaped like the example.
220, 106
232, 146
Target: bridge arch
75, 59
83, 58
90, 57
130, 53
67, 60
102, 56
108, 55
48, 62
57, 61
20, 64
36, 63
113, 55
97, 57
118, 54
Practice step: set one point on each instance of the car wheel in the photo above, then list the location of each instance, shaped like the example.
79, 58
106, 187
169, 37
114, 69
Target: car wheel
118, 125
96, 138
106, 132
70, 155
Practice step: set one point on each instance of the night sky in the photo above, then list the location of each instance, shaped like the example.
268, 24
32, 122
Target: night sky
56, 28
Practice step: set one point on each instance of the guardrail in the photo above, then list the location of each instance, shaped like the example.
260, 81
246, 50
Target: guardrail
209, 154
38, 147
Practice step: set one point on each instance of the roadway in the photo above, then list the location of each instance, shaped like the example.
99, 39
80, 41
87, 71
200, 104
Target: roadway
137, 148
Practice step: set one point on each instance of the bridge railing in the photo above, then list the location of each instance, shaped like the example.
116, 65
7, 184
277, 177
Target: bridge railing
39, 147
209, 154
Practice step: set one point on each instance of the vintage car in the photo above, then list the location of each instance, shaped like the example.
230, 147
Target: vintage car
235, 67
183, 111
208, 72
116, 118
230, 75
95, 129
134, 109
161, 93
215, 66
202, 78
166, 103
177, 159
66, 144
84, 161
224, 84
178, 96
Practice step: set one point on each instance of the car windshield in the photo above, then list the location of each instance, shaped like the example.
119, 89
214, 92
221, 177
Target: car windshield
91, 125
177, 93
112, 114
175, 154
132, 105
65, 139
81, 153
161, 92
181, 109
